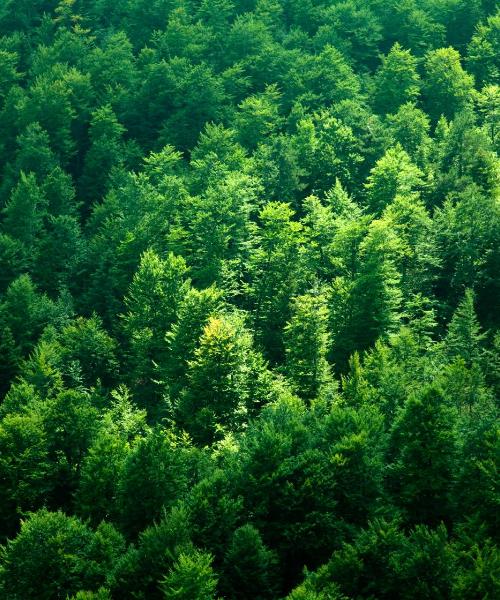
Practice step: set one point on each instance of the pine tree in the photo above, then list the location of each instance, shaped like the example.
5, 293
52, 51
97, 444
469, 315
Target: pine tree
25, 211
195, 309
155, 474
376, 294
106, 151
152, 302
275, 269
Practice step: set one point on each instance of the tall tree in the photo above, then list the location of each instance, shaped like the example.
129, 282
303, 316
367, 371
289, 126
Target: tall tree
306, 345
396, 80
421, 458
447, 87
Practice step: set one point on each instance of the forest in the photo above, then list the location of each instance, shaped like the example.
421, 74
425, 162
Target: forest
249, 299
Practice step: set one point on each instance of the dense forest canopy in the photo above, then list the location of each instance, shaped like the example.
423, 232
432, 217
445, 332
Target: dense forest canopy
249, 284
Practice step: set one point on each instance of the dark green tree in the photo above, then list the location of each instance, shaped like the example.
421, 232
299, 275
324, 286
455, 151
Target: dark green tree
421, 458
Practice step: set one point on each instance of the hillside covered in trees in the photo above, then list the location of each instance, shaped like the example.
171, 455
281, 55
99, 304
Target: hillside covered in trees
249, 284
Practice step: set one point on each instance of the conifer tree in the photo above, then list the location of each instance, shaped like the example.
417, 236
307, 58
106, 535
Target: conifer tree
106, 151
25, 211
152, 301
275, 271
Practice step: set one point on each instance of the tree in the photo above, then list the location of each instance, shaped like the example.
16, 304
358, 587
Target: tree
320, 80
25, 469
97, 495
143, 566
353, 28
464, 338
48, 102
467, 236
418, 260
488, 102
421, 458
9, 74
155, 475
475, 494
328, 150
483, 51
25, 211
393, 174
54, 552
447, 87
152, 301
396, 81
105, 153
25, 312
195, 310
306, 344
385, 561
71, 423
258, 117
182, 97
218, 380
191, 578
34, 155
275, 275
219, 229
365, 566
477, 578
409, 127
373, 297
60, 254
249, 567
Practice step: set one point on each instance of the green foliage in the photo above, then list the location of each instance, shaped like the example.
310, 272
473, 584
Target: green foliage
249, 282
394, 174
275, 271
161, 462
482, 51
447, 87
249, 566
306, 344
191, 577
421, 457
218, 380
54, 552
396, 81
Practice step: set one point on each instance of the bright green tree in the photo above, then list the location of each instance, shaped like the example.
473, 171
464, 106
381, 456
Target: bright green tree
396, 81
218, 380
447, 87
191, 578
393, 174
306, 344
